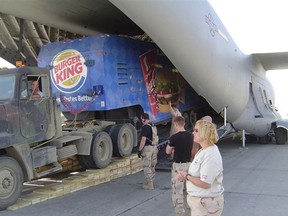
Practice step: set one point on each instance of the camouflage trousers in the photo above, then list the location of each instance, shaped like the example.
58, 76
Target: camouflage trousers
179, 192
206, 206
149, 155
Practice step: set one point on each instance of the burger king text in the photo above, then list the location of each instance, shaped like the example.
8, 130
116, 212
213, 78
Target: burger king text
67, 68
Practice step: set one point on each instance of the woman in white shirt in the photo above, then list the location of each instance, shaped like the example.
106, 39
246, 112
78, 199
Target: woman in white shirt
205, 174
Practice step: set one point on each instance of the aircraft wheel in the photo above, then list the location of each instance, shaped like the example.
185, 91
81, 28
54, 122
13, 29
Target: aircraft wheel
11, 181
101, 150
123, 139
264, 139
280, 135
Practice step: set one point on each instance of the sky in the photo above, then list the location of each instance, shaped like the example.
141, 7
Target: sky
256, 26
259, 26
4, 63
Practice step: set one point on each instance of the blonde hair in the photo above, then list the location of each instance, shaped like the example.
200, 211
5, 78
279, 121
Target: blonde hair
207, 131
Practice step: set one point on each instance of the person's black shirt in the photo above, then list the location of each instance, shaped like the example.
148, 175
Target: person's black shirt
146, 131
182, 143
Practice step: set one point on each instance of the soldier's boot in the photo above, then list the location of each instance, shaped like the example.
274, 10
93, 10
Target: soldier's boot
148, 186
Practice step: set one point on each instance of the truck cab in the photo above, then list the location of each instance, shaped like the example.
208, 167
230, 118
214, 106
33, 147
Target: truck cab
25, 122
32, 140
22, 116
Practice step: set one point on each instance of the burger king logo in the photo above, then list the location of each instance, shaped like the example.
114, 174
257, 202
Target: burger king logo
69, 71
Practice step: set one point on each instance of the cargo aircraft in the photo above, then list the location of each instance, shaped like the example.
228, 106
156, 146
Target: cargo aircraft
197, 43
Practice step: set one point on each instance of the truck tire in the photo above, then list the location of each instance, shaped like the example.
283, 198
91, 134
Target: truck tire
101, 150
134, 132
85, 161
109, 129
123, 139
11, 181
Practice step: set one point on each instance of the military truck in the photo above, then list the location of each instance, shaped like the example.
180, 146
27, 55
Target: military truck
31, 134
101, 85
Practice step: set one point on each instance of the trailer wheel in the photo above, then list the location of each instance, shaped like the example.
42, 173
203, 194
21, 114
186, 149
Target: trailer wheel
101, 150
280, 135
187, 120
192, 117
11, 181
123, 140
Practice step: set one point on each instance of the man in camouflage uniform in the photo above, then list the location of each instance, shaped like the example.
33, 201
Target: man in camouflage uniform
181, 143
148, 152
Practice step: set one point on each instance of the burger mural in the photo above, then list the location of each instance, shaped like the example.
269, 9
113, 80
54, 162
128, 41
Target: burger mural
164, 84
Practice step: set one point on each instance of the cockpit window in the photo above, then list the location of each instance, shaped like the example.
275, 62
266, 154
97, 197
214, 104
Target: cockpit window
7, 84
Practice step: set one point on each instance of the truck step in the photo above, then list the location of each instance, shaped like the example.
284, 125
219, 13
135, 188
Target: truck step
48, 169
43, 156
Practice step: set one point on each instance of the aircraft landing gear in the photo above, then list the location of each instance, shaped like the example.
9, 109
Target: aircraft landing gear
280, 135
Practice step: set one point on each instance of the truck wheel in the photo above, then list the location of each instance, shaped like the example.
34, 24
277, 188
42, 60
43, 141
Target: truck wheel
101, 149
134, 132
11, 181
109, 129
86, 161
123, 140
280, 135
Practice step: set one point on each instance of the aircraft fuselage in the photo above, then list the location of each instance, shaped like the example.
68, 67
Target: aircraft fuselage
193, 37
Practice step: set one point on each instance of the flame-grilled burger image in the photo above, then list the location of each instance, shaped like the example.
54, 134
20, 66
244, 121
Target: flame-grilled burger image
166, 87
